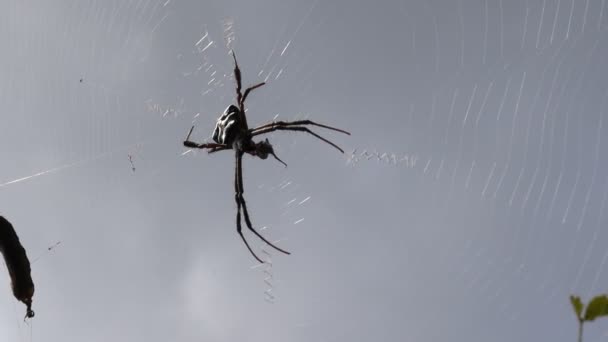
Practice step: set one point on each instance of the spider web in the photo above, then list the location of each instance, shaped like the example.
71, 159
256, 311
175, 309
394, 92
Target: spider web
101, 122
476, 169
64, 94
510, 117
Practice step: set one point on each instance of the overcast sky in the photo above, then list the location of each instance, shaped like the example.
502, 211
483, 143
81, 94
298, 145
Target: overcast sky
467, 207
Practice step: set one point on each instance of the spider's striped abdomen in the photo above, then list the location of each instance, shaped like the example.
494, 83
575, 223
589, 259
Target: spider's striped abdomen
228, 126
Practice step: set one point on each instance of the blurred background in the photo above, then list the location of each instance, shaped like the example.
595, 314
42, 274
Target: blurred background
468, 206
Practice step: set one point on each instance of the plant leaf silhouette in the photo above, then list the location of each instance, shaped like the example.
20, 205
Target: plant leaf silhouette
597, 307
577, 305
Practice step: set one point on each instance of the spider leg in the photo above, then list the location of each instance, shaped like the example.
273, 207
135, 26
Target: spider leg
189, 133
243, 204
237, 196
248, 90
294, 128
298, 123
237, 77
212, 147
219, 148
248, 221
240, 97
239, 230
192, 144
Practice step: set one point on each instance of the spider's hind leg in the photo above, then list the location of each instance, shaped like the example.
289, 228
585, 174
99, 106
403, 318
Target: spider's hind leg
242, 204
248, 222
239, 230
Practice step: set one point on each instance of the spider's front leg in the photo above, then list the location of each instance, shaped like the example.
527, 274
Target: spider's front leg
237, 77
212, 146
240, 97
240, 201
248, 90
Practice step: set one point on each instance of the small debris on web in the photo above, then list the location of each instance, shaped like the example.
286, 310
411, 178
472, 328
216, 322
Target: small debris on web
133, 154
53, 246
131, 162
48, 250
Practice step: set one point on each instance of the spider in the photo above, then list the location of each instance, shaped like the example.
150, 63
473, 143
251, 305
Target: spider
232, 133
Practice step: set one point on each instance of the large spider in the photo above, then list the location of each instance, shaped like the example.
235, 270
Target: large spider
232, 132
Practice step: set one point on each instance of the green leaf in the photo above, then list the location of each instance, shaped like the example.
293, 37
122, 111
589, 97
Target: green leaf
596, 308
577, 305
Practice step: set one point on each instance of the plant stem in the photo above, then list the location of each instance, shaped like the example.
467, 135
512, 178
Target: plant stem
580, 330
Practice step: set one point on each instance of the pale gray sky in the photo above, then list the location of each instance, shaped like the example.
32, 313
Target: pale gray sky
484, 214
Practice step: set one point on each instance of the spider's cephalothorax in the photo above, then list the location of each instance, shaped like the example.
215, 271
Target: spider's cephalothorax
232, 133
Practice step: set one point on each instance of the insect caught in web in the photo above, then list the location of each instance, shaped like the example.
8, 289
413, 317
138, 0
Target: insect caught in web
232, 133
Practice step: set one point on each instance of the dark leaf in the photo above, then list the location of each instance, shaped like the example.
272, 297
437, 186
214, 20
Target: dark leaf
596, 308
577, 305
